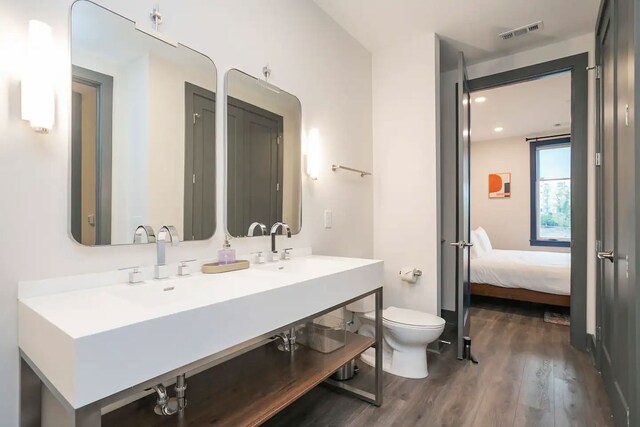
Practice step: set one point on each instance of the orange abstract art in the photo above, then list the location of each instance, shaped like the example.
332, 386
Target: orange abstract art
499, 185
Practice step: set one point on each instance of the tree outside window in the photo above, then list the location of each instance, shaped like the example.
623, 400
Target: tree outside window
551, 192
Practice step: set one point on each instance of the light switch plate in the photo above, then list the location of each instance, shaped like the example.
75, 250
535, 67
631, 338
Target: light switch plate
328, 218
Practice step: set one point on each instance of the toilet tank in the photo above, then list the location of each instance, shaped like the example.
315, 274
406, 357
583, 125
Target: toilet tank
363, 305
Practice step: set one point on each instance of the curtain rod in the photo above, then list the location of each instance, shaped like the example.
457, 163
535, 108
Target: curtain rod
537, 138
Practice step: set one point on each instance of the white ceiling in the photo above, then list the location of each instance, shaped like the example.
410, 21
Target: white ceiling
523, 109
468, 25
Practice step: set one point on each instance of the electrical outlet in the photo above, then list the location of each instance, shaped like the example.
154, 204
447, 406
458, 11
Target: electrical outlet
328, 219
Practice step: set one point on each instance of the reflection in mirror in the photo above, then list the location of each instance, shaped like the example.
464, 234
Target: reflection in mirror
263, 155
142, 132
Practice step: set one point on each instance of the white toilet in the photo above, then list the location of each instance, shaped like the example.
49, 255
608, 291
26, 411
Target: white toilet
406, 336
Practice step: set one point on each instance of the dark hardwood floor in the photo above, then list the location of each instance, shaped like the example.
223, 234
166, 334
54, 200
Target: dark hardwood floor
528, 375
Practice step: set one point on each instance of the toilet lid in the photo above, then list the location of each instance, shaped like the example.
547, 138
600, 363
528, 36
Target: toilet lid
412, 317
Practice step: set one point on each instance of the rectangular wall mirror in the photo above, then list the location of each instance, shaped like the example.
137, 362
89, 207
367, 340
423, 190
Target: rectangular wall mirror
142, 132
263, 155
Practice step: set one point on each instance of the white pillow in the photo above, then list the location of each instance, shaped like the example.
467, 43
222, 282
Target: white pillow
476, 250
483, 237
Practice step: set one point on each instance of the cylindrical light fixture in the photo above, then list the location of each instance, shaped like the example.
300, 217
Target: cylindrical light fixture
37, 91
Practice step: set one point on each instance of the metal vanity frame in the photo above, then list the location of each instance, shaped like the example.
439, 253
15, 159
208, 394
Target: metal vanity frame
42, 405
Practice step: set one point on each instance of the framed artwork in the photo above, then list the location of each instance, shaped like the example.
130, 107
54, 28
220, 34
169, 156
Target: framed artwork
499, 185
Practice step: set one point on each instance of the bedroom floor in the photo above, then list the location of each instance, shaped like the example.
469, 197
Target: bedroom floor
528, 375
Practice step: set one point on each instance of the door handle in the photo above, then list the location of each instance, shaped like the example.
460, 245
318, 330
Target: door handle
461, 244
606, 255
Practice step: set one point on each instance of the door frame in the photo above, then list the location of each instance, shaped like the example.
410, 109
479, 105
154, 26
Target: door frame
104, 88
190, 90
577, 64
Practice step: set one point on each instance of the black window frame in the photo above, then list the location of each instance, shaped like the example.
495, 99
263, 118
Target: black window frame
533, 150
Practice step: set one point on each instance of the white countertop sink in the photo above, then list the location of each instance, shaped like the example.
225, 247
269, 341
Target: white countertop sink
93, 342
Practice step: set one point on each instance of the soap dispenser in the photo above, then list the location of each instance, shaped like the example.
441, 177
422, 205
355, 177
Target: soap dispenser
226, 255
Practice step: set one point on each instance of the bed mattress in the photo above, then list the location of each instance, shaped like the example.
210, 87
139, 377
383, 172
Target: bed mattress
537, 271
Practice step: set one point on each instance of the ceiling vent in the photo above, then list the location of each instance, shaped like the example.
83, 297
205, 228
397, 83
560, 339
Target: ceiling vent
521, 31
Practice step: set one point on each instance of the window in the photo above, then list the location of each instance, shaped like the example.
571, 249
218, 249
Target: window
551, 192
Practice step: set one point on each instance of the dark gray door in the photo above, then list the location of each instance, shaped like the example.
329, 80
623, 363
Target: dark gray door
616, 218
200, 160
463, 283
235, 179
254, 166
608, 197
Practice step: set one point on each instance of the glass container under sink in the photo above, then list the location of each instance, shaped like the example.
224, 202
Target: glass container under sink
324, 334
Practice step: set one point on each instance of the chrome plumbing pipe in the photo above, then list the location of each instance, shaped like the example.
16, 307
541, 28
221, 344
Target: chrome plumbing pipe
166, 405
181, 394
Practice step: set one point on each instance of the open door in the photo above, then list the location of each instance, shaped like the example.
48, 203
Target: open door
615, 214
463, 285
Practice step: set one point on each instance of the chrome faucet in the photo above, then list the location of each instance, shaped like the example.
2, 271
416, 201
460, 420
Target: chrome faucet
253, 226
274, 231
170, 232
142, 231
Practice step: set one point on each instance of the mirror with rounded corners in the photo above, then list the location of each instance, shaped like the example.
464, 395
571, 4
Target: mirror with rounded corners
142, 133
264, 151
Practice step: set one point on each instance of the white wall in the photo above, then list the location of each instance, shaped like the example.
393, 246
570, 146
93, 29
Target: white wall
405, 139
581, 44
333, 84
506, 220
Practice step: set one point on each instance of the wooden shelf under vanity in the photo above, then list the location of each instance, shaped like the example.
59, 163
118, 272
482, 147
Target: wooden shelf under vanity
246, 390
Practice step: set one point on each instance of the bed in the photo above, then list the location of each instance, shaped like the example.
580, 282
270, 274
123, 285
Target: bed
535, 276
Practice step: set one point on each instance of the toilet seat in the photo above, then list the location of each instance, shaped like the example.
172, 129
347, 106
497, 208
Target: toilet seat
405, 318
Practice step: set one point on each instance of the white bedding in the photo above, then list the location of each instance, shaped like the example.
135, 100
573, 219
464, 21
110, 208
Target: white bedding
537, 271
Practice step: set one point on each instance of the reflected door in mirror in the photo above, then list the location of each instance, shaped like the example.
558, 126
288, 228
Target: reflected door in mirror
264, 150
200, 161
92, 99
254, 166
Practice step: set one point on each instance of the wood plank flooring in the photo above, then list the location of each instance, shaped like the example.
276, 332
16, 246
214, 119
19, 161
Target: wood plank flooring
528, 375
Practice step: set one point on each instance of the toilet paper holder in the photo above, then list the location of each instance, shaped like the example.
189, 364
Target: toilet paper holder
410, 274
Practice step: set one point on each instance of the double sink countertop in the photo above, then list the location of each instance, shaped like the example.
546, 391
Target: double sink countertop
94, 341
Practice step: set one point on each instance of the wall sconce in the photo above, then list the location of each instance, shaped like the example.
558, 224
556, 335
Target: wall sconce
313, 154
37, 92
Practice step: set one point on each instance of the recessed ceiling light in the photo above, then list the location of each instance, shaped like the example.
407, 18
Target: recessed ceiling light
480, 99
498, 129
